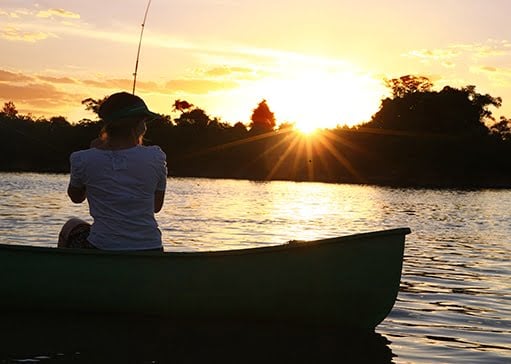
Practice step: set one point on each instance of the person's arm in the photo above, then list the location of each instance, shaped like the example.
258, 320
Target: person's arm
77, 195
159, 197
76, 189
161, 186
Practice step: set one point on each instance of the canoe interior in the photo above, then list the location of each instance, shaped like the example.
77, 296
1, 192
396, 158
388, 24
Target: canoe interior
351, 281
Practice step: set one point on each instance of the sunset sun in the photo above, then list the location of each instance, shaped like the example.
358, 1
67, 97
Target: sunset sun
305, 128
312, 99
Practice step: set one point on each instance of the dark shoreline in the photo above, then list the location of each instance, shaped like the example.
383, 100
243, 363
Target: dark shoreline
373, 182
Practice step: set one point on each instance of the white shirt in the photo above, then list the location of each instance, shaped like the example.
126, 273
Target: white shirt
120, 187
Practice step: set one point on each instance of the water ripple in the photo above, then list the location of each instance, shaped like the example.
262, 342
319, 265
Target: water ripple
454, 303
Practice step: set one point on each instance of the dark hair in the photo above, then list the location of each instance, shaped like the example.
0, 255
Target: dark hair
121, 128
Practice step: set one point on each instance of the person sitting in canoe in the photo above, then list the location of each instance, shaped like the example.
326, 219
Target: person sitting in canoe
123, 181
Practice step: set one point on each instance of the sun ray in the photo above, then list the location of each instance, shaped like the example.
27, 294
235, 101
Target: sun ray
224, 146
340, 158
282, 158
345, 142
310, 166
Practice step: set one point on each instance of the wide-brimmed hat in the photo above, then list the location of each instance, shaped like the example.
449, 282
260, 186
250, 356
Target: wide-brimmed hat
123, 105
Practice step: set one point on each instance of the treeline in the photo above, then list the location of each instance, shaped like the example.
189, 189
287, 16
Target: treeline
419, 137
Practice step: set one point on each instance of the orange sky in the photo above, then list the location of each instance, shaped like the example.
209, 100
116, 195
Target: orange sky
318, 64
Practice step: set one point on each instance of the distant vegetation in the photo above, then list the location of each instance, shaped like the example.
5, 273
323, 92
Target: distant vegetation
418, 137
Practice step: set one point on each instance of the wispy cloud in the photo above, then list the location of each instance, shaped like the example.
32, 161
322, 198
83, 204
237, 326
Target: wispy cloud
491, 48
48, 13
32, 25
492, 70
499, 76
39, 94
64, 80
14, 14
16, 34
227, 71
201, 86
57, 13
434, 54
6, 76
123, 84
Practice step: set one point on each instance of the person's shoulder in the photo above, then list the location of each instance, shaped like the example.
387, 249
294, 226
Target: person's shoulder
85, 154
154, 150
80, 154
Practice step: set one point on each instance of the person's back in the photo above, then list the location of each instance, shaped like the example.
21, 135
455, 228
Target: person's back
120, 190
123, 181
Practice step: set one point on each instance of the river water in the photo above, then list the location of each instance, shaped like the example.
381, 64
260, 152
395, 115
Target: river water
454, 304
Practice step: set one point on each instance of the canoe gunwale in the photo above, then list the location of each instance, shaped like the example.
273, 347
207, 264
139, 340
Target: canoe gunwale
350, 281
293, 244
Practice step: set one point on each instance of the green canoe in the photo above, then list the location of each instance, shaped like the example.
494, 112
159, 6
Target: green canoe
351, 281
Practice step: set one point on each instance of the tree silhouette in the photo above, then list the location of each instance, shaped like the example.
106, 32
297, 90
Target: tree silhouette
263, 120
10, 110
93, 104
424, 138
196, 117
418, 109
408, 84
181, 105
502, 128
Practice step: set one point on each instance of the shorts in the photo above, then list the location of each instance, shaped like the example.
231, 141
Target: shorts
74, 234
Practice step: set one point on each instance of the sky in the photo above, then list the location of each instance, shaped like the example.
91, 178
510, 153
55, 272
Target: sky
318, 64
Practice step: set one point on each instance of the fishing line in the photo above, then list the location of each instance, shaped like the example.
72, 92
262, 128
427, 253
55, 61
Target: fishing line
139, 46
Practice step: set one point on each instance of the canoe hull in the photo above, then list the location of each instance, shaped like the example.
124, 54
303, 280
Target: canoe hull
350, 281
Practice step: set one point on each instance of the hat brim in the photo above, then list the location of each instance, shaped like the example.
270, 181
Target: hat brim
140, 110
151, 116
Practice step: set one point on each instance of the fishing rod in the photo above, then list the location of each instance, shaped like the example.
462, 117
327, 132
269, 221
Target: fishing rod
139, 45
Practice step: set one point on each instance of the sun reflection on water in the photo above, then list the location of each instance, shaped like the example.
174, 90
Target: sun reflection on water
454, 297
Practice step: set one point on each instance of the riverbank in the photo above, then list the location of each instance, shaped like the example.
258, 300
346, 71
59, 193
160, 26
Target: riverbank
401, 182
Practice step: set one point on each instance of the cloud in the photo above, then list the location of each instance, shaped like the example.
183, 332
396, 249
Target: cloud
14, 14
448, 64
39, 94
122, 84
7, 14
488, 68
443, 56
491, 48
57, 13
6, 76
114, 83
499, 76
14, 34
31, 25
226, 71
496, 71
193, 86
51, 79
199, 86
49, 13
434, 54
488, 49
